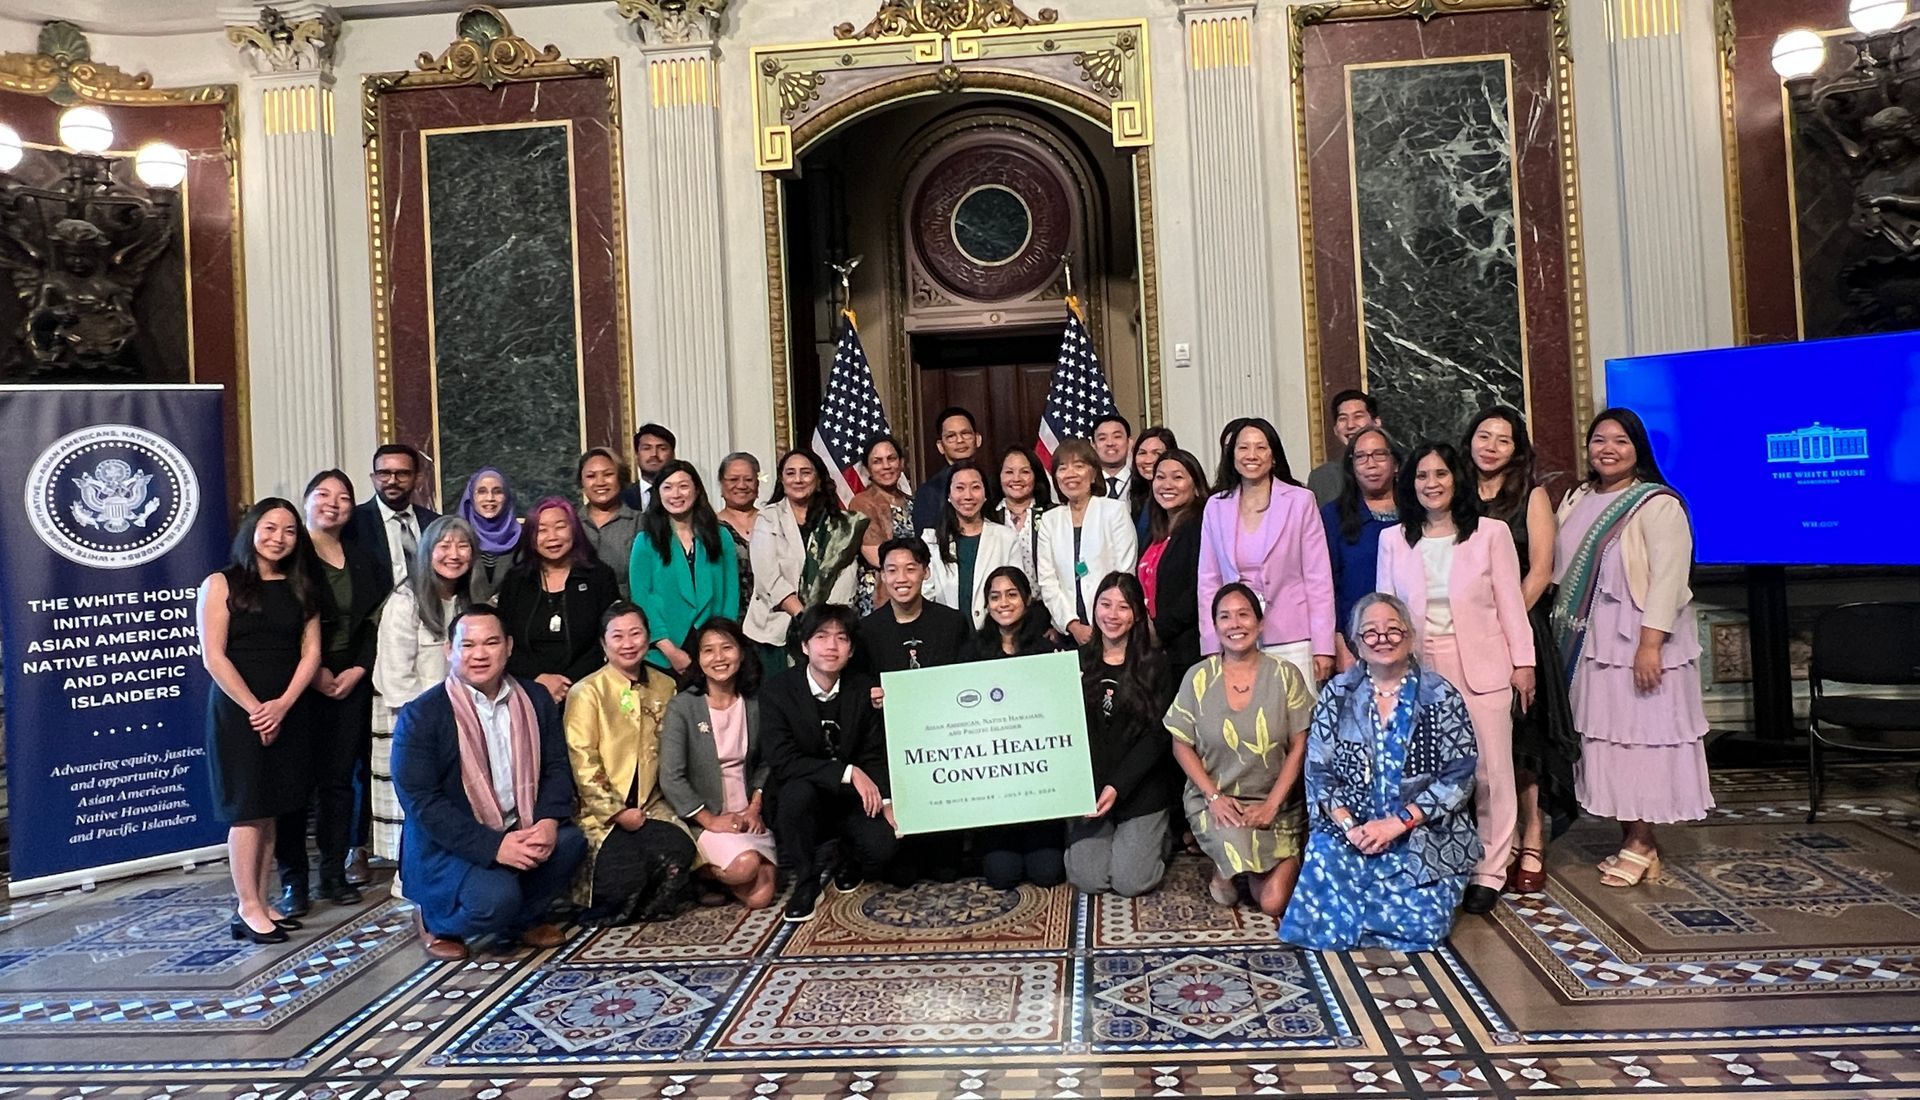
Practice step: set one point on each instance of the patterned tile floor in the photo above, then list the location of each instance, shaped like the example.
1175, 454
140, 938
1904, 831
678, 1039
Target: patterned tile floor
1776, 957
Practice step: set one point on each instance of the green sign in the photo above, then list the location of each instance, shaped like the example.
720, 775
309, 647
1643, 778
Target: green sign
987, 743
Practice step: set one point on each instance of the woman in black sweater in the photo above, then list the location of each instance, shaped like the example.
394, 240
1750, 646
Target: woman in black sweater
552, 600
1017, 626
1121, 847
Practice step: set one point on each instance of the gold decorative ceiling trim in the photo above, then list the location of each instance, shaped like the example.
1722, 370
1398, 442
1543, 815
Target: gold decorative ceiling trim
484, 52
902, 18
1341, 11
64, 71
798, 83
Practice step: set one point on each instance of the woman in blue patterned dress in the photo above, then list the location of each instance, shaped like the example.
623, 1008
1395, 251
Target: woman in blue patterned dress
1390, 844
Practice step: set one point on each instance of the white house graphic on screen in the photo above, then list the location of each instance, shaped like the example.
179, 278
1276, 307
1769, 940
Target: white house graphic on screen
1817, 444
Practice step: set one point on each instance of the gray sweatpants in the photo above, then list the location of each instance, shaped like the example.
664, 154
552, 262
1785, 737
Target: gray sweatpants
1127, 858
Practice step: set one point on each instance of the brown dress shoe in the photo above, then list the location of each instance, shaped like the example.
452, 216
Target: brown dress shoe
542, 936
439, 948
355, 871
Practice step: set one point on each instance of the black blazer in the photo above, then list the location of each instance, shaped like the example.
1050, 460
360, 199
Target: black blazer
790, 734
371, 587
1176, 598
589, 592
368, 528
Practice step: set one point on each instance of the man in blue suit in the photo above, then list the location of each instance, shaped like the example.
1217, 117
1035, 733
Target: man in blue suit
480, 763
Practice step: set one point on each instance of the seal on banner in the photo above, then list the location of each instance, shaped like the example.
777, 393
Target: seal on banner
112, 496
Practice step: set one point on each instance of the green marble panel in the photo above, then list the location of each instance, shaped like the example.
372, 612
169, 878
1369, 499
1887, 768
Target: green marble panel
500, 232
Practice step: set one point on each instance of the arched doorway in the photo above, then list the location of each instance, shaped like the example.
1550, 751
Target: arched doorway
968, 227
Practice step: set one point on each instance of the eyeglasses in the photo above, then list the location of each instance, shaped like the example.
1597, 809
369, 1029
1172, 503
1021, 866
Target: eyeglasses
1392, 635
1368, 457
391, 475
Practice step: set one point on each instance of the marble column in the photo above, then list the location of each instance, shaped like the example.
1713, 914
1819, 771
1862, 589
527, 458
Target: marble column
686, 386
1648, 102
1234, 348
292, 289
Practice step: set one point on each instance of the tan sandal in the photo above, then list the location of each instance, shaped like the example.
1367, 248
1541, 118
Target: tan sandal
1630, 868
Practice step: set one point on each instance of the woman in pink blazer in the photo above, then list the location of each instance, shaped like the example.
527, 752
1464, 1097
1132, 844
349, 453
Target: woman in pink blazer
1460, 578
1263, 530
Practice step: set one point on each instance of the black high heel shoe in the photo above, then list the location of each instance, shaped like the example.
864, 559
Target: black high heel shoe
239, 929
287, 924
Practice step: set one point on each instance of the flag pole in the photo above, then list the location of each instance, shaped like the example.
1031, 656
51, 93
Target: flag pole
846, 285
1073, 303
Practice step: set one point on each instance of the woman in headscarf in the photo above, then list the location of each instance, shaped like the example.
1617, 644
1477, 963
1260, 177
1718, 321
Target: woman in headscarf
487, 504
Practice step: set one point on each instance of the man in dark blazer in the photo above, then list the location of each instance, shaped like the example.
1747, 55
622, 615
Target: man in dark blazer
390, 522
489, 841
824, 742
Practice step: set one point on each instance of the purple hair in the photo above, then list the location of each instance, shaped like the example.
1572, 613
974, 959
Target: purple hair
582, 555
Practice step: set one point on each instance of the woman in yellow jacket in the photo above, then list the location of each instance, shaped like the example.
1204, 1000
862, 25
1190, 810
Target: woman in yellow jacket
640, 855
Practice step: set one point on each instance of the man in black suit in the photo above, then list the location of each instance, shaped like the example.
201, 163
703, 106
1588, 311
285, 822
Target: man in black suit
958, 438
384, 529
823, 740
389, 525
653, 447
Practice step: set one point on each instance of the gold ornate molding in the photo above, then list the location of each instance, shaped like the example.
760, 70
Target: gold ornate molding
961, 45
64, 71
672, 22
275, 45
901, 18
1333, 11
484, 52
1725, 31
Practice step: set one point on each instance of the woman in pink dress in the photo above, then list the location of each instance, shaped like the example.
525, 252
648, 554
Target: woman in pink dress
1624, 619
710, 766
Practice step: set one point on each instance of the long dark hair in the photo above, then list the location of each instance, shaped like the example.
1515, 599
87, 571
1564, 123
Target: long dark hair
1645, 467
1140, 489
1042, 484
746, 681
1466, 504
1227, 479
946, 532
527, 558
825, 500
1516, 477
1031, 635
243, 564
658, 526
1162, 523
1352, 504
1142, 683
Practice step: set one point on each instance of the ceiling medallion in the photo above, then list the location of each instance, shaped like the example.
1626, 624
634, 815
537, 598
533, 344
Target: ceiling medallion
900, 18
487, 51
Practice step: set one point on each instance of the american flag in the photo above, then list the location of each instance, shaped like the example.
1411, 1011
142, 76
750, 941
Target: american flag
1078, 395
850, 413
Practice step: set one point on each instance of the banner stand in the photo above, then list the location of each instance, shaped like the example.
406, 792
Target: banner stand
116, 512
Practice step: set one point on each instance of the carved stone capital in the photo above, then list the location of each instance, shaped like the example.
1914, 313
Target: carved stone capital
298, 37
674, 22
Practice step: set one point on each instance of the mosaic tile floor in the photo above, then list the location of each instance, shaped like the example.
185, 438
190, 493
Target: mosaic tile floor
1775, 958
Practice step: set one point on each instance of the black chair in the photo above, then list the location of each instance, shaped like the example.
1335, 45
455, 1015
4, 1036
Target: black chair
1875, 644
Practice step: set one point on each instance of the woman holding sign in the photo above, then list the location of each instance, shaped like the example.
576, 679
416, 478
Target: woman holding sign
260, 640
1017, 626
1239, 730
1121, 846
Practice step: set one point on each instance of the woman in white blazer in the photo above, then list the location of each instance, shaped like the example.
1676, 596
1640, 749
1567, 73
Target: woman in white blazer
803, 550
1082, 540
966, 546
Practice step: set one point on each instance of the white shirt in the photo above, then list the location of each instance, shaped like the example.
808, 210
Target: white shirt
1122, 482
396, 548
1436, 554
497, 720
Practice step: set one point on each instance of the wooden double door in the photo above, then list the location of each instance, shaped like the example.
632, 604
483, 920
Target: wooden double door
1001, 380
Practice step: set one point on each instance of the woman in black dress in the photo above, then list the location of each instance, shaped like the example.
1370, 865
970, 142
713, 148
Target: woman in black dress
1545, 744
260, 641
1017, 626
553, 598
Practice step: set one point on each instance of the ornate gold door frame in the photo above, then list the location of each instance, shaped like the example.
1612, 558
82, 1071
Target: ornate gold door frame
914, 49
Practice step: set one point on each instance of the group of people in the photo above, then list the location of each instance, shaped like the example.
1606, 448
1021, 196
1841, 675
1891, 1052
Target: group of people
1369, 701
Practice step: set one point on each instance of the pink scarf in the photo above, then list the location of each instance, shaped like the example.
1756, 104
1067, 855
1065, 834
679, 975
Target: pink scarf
476, 778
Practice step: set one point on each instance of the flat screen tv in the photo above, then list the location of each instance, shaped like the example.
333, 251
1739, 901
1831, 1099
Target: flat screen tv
1788, 454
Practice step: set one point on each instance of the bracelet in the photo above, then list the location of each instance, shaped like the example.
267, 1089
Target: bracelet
1214, 797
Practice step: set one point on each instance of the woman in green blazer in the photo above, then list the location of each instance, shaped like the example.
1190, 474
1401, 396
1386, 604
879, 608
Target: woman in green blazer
684, 568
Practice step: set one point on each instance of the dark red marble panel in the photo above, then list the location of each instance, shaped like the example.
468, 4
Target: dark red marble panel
1771, 304
404, 113
213, 232
1527, 37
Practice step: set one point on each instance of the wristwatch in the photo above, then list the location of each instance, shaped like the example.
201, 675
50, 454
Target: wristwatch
1406, 817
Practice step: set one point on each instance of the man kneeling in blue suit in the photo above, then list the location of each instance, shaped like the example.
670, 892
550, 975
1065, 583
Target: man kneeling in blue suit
480, 763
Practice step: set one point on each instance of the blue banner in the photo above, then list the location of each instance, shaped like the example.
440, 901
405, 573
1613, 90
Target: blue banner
116, 510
